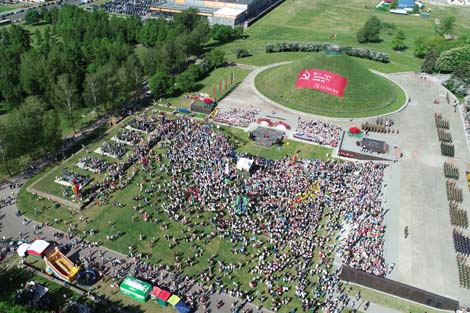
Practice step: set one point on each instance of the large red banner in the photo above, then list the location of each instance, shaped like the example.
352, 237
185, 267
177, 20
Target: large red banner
323, 81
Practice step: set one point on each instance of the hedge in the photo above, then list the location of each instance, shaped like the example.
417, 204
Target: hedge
320, 46
451, 59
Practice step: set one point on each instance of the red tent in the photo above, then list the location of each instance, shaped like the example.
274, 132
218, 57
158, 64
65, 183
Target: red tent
155, 292
164, 295
208, 100
354, 130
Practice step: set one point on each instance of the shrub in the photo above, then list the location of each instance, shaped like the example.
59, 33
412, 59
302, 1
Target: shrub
241, 53
452, 59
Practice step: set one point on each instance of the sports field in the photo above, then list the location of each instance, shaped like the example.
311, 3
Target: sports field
366, 93
317, 20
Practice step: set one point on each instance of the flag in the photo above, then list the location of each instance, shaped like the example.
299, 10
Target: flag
226, 80
215, 93
145, 216
220, 87
76, 189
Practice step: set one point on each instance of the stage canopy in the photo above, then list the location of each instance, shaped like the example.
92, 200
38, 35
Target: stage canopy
244, 164
323, 81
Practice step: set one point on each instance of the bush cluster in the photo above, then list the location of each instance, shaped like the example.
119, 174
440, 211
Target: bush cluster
297, 47
320, 46
366, 54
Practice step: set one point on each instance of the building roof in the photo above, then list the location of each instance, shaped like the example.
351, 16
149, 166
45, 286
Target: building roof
180, 7
378, 146
229, 12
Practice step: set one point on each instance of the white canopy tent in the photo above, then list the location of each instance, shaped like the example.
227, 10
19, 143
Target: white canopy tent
244, 164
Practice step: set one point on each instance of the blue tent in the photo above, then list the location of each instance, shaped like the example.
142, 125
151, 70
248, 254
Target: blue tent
181, 307
183, 110
405, 4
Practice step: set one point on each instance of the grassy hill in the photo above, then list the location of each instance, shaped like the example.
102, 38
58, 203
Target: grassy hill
317, 20
366, 93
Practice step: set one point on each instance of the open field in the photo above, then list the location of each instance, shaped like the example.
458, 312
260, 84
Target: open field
317, 20
366, 93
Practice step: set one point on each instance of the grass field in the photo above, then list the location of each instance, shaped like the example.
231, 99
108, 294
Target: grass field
207, 84
317, 20
366, 93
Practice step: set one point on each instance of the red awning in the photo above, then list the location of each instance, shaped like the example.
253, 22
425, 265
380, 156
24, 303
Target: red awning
155, 292
164, 295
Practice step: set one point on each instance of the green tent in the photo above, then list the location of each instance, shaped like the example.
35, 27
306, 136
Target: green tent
135, 288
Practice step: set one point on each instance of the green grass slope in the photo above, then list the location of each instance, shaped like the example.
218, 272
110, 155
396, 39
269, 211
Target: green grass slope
366, 93
317, 20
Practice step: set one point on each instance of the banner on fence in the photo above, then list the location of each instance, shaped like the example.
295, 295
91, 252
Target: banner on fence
323, 81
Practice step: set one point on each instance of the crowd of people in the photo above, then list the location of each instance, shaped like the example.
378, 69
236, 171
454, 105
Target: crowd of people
298, 207
461, 242
143, 123
69, 177
127, 136
318, 132
93, 164
236, 117
294, 214
113, 149
129, 7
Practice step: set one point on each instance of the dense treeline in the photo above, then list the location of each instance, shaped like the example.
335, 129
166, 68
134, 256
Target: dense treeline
88, 59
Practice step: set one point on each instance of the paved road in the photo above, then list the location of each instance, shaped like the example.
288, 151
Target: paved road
426, 259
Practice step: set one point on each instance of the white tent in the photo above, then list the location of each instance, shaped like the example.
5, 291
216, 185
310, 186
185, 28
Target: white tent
244, 164
22, 249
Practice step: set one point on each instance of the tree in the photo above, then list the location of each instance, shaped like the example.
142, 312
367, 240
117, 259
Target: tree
185, 81
135, 72
398, 41
94, 92
51, 131
370, 31
67, 92
32, 17
420, 47
160, 84
446, 26
7, 147
415, 9
44, 13
448, 61
463, 71
214, 58
394, 5
429, 61
222, 33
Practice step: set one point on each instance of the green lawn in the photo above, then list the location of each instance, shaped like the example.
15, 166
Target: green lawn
213, 80
317, 20
366, 93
